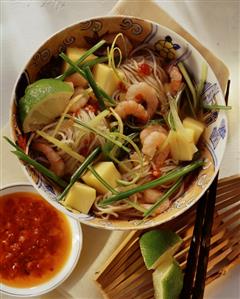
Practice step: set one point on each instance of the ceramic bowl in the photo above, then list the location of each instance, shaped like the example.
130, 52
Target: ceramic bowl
66, 269
45, 62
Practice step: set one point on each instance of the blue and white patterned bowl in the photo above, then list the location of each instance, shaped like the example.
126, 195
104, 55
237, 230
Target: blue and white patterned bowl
45, 62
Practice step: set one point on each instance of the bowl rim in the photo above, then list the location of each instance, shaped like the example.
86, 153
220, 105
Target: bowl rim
67, 268
128, 226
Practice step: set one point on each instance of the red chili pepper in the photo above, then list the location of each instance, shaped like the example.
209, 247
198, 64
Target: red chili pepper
144, 69
22, 141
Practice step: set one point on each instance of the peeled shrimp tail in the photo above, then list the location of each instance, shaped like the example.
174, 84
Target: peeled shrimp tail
152, 139
56, 162
127, 108
176, 79
143, 93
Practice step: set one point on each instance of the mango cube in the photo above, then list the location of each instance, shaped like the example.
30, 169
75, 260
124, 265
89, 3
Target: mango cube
80, 197
74, 54
189, 134
195, 125
181, 147
106, 78
107, 171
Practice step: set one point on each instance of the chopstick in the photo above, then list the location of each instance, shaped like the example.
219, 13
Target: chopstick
193, 254
199, 286
197, 261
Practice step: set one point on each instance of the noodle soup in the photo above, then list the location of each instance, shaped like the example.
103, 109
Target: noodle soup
118, 131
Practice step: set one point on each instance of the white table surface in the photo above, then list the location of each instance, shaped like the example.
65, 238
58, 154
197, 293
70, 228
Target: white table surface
26, 24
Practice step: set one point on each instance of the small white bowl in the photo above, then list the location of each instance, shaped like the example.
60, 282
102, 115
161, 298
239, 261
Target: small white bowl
66, 269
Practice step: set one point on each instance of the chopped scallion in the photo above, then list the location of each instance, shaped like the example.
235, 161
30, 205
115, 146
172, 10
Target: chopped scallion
172, 175
101, 180
95, 88
165, 196
71, 70
42, 169
79, 172
94, 130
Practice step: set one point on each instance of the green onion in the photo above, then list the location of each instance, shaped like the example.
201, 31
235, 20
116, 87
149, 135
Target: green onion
203, 79
216, 107
106, 96
71, 69
172, 175
136, 206
95, 88
190, 103
165, 196
129, 183
101, 180
119, 144
45, 171
42, 169
79, 172
12, 143
93, 62
82, 73
189, 83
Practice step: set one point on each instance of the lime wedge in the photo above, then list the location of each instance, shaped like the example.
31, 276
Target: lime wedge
44, 100
157, 246
167, 280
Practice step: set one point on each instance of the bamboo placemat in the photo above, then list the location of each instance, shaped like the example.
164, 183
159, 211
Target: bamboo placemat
124, 274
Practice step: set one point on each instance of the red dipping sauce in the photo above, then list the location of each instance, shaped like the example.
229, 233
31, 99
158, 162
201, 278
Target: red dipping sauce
35, 240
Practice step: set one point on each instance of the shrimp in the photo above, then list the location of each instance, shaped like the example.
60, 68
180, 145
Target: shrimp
143, 93
148, 130
176, 79
151, 195
56, 162
126, 108
161, 157
152, 139
162, 208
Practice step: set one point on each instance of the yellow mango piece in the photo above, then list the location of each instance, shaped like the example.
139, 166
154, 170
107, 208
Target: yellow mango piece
80, 197
74, 54
107, 171
197, 127
106, 78
181, 147
189, 134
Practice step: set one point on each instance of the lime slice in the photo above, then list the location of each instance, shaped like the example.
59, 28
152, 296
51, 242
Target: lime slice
44, 100
157, 246
168, 280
